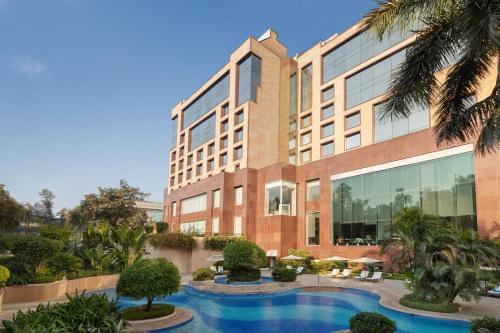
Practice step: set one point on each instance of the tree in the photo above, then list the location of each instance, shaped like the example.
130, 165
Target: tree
149, 278
46, 204
11, 212
243, 259
4, 276
467, 29
127, 245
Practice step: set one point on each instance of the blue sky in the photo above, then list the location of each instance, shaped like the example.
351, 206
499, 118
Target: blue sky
86, 86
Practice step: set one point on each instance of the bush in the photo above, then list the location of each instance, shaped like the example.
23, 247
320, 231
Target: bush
284, 275
31, 251
94, 313
243, 275
243, 260
45, 278
372, 322
64, 263
218, 243
161, 227
149, 278
158, 310
414, 302
174, 240
148, 229
61, 234
4, 276
203, 274
486, 324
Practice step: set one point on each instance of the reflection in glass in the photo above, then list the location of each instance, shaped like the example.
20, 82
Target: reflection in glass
280, 198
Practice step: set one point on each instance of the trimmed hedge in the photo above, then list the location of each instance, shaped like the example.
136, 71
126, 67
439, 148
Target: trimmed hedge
45, 278
243, 275
412, 301
203, 274
486, 324
364, 322
4, 276
218, 243
284, 275
140, 313
173, 240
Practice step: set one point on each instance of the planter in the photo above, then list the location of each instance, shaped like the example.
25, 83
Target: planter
1, 299
179, 317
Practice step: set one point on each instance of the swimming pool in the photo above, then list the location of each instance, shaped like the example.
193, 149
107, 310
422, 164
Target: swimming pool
297, 311
263, 280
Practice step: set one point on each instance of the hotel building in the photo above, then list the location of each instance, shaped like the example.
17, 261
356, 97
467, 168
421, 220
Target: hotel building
289, 152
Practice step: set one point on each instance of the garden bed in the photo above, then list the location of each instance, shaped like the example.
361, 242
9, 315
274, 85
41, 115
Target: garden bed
139, 312
411, 302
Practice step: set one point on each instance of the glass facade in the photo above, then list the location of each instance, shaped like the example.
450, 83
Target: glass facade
312, 228
372, 81
280, 198
248, 78
213, 96
193, 227
194, 204
364, 205
306, 88
203, 132
391, 127
356, 51
312, 190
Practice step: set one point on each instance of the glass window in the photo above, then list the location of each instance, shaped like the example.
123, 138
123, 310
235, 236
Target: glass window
312, 232
193, 228
223, 142
353, 141
172, 169
174, 208
305, 155
215, 226
327, 149
327, 130
293, 95
328, 111
216, 198
224, 126
194, 204
327, 94
211, 165
181, 164
199, 155
391, 127
312, 190
280, 198
305, 121
208, 100
292, 159
292, 143
173, 129
203, 132
179, 177
237, 226
292, 127
248, 78
305, 138
238, 135
225, 110
211, 149
238, 152
189, 160
172, 181
238, 195
239, 118
223, 159
306, 88
189, 174
352, 120
199, 169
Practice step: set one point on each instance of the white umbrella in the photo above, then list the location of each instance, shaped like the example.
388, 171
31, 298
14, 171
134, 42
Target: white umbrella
291, 257
216, 257
366, 260
335, 258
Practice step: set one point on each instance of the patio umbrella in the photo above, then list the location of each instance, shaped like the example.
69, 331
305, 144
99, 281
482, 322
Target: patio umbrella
366, 260
335, 258
216, 257
291, 257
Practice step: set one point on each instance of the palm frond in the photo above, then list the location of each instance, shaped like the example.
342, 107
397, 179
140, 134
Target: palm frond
489, 139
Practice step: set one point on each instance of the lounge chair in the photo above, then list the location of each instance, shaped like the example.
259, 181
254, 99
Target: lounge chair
345, 273
377, 276
300, 269
363, 275
333, 273
213, 269
220, 270
288, 267
495, 292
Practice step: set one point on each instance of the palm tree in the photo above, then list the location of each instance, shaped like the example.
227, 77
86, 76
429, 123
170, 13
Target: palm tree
127, 246
446, 28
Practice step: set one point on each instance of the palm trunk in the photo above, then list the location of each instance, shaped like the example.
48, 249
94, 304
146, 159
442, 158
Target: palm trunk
150, 304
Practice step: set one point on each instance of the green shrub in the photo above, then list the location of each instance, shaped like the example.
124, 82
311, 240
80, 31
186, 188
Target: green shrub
243, 275
148, 229
161, 227
17, 280
173, 240
364, 322
61, 234
203, 274
31, 251
486, 324
158, 310
284, 275
414, 302
45, 278
218, 243
4, 276
243, 260
82, 313
149, 278
64, 263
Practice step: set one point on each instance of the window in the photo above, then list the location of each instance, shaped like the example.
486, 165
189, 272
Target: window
216, 198
238, 135
293, 95
189, 174
208, 100
174, 156
211, 165
280, 198
248, 78
305, 121
181, 165
215, 226
189, 160
238, 153
181, 151
392, 127
327, 149
327, 130
225, 110
194, 204
312, 190
203, 132
305, 138
328, 111
372, 81
292, 127
327, 94
312, 232
182, 138
305, 156
174, 208
172, 181
239, 118
237, 226
173, 128
363, 205
224, 126
193, 228
352, 120
199, 169
306, 88
353, 141
292, 159
292, 143
223, 142
211, 149
199, 155
172, 169
223, 159
179, 178
238, 196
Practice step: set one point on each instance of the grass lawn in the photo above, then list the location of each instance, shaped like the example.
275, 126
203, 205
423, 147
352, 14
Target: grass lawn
140, 313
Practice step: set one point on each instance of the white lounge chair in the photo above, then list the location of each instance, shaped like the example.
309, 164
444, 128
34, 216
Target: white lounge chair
220, 270
345, 273
363, 275
333, 273
288, 267
213, 268
495, 292
300, 269
377, 276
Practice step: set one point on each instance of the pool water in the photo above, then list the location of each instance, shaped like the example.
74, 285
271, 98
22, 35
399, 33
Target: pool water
263, 280
291, 312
